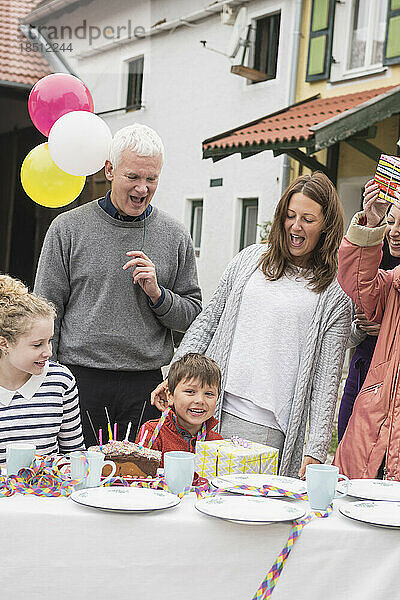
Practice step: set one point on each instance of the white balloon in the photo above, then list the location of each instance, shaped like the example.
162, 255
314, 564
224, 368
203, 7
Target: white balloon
79, 142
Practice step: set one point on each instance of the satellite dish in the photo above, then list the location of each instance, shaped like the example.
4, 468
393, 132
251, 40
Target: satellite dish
239, 33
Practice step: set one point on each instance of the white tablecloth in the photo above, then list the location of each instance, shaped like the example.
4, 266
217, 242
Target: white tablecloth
52, 548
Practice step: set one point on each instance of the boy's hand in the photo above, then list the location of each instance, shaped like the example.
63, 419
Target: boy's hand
159, 397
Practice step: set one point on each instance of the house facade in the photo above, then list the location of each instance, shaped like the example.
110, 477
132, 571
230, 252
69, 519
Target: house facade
163, 63
347, 101
362, 43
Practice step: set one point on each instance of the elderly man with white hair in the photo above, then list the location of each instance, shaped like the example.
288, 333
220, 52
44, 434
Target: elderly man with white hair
122, 276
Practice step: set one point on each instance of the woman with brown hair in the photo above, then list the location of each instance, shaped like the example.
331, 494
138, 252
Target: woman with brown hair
277, 325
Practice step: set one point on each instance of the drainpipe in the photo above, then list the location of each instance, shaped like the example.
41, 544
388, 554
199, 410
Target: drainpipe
55, 58
292, 84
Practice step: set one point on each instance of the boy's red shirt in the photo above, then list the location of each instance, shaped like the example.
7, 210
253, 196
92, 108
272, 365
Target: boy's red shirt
174, 437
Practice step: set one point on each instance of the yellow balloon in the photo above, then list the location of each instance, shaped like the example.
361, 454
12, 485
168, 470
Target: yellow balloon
46, 183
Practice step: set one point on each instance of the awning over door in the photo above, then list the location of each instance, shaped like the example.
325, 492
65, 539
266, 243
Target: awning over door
312, 125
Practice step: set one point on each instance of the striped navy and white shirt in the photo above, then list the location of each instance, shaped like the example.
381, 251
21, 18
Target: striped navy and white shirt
44, 411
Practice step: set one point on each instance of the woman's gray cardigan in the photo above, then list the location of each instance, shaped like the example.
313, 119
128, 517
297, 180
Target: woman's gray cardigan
321, 362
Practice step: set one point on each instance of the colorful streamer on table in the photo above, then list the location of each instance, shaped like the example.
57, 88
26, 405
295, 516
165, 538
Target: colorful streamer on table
43, 478
268, 584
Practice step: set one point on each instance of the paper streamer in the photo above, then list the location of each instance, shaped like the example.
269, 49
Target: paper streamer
201, 436
160, 423
266, 490
268, 584
42, 478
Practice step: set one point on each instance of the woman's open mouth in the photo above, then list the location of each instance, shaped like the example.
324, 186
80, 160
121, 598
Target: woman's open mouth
296, 240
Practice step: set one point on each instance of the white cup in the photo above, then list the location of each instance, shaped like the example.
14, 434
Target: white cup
321, 485
19, 455
96, 463
179, 470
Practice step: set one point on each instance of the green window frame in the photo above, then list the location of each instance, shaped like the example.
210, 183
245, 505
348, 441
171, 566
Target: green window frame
135, 84
320, 39
196, 224
248, 229
391, 51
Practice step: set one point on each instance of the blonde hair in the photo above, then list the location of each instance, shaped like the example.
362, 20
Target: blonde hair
322, 265
19, 308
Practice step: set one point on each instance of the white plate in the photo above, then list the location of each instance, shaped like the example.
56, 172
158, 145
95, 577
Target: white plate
246, 509
258, 480
381, 513
373, 489
125, 499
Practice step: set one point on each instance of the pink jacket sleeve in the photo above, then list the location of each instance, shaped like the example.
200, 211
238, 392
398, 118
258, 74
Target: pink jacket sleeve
359, 274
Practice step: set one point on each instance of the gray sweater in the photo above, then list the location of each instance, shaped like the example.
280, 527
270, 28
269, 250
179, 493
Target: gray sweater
321, 362
103, 319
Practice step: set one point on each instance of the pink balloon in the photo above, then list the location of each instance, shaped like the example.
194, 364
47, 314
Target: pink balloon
54, 96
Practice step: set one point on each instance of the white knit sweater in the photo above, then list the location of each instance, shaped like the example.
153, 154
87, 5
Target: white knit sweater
321, 363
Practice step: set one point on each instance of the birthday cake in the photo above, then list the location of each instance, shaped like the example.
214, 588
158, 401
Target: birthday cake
130, 459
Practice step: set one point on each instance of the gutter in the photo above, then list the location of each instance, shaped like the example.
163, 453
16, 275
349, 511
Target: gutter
15, 85
210, 10
292, 85
44, 11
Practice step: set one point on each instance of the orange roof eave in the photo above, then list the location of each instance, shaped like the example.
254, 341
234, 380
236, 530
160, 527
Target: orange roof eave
304, 124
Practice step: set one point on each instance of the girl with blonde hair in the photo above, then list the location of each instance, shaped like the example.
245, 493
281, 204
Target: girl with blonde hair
38, 398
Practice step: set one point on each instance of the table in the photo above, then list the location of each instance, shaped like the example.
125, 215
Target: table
52, 548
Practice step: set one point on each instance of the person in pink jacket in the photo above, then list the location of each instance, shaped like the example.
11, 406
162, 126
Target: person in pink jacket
370, 447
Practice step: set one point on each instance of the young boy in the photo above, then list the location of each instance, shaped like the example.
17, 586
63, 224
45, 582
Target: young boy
194, 384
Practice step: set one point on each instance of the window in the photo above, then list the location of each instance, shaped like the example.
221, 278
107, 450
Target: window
135, 83
248, 232
353, 38
196, 224
266, 45
367, 35
392, 38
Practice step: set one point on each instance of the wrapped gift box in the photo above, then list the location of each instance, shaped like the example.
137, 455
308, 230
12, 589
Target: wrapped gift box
387, 177
220, 457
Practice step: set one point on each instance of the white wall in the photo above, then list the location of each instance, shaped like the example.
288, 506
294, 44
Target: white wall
189, 95
349, 190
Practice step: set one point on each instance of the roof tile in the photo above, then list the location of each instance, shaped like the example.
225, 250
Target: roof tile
303, 116
17, 65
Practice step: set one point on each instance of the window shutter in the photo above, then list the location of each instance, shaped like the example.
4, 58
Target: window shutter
391, 52
320, 40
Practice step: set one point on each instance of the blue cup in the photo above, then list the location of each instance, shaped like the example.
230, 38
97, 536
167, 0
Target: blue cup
19, 455
321, 485
178, 470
